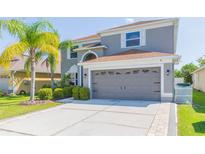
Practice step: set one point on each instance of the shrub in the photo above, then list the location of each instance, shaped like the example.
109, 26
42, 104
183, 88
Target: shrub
46, 86
58, 93
22, 92
1, 93
67, 91
75, 92
84, 93
45, 93
12, 94
65, 80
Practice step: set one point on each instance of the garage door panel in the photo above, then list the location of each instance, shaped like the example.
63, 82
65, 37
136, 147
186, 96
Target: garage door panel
143, 83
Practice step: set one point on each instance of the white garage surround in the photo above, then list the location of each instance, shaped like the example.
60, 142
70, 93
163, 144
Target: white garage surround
132, 63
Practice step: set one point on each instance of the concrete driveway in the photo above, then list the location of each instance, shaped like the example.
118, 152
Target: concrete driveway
95, 117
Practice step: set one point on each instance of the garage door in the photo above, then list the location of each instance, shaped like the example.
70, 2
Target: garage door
140, 84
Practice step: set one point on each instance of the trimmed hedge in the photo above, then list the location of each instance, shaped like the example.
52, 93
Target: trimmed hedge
75, 92
67, 91
58, 93
84, 93
81, 93
45, 93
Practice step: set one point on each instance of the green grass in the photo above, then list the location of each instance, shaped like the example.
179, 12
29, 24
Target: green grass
191, 118
10, 106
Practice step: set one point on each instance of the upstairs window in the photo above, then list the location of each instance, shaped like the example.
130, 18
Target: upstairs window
73, 54
132, 39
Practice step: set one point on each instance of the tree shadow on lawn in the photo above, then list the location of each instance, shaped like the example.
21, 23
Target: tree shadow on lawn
199, 108
9, 104
199, 127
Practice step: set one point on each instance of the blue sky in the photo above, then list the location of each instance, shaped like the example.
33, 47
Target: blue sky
191, 34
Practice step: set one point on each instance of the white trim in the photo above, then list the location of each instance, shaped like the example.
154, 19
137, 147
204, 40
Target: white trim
125, 39
88, 52
162, 80
142, 39
88, 41
83, 48
80, 75
176, 25
151, 25
165, 59
89, 82
130, 65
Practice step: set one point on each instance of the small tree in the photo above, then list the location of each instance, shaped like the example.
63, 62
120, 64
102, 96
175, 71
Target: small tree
186, 71
178, 74
65, 80
201, 61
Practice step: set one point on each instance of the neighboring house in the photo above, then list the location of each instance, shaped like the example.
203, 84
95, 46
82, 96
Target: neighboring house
15, 80
198, 78
134, 61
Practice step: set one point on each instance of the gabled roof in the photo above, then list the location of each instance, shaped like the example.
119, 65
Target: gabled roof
136, 24
139, 23
97, 45
90, 37
130, 54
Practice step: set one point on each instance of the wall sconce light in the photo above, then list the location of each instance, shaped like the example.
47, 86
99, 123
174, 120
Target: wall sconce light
167, 72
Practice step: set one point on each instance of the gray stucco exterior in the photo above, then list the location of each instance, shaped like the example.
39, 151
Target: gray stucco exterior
154, 39
160, 39
65, 62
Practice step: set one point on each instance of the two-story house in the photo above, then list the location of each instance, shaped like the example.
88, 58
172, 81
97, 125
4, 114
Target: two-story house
134, 61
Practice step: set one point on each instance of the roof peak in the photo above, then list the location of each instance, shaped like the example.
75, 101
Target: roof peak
141, 22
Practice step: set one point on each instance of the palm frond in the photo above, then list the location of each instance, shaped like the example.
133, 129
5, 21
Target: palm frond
47, 38
11, 52
41, 26
51, 50
66, 44
15, 27
38, 56
27, 64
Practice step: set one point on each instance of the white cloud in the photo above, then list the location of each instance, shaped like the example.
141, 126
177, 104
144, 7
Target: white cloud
129, 20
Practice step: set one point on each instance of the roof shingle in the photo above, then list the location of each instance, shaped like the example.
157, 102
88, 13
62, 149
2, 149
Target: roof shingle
130, 54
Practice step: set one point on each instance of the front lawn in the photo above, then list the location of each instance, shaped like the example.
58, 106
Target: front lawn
10, 106
191, 118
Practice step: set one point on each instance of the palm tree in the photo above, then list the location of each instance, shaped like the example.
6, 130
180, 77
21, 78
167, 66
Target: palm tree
32, 38
50, 60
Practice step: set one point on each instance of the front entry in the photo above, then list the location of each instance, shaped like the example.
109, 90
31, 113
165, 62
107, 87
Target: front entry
134, 84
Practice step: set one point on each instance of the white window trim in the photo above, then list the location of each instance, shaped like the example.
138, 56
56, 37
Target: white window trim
75, 57
142, 39
137, 38
69, 52
88, 52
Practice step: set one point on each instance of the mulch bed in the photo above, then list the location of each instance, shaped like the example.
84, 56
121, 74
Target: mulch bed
37, 102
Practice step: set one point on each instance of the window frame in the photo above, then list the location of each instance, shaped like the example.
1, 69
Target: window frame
139, 38
71, 51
